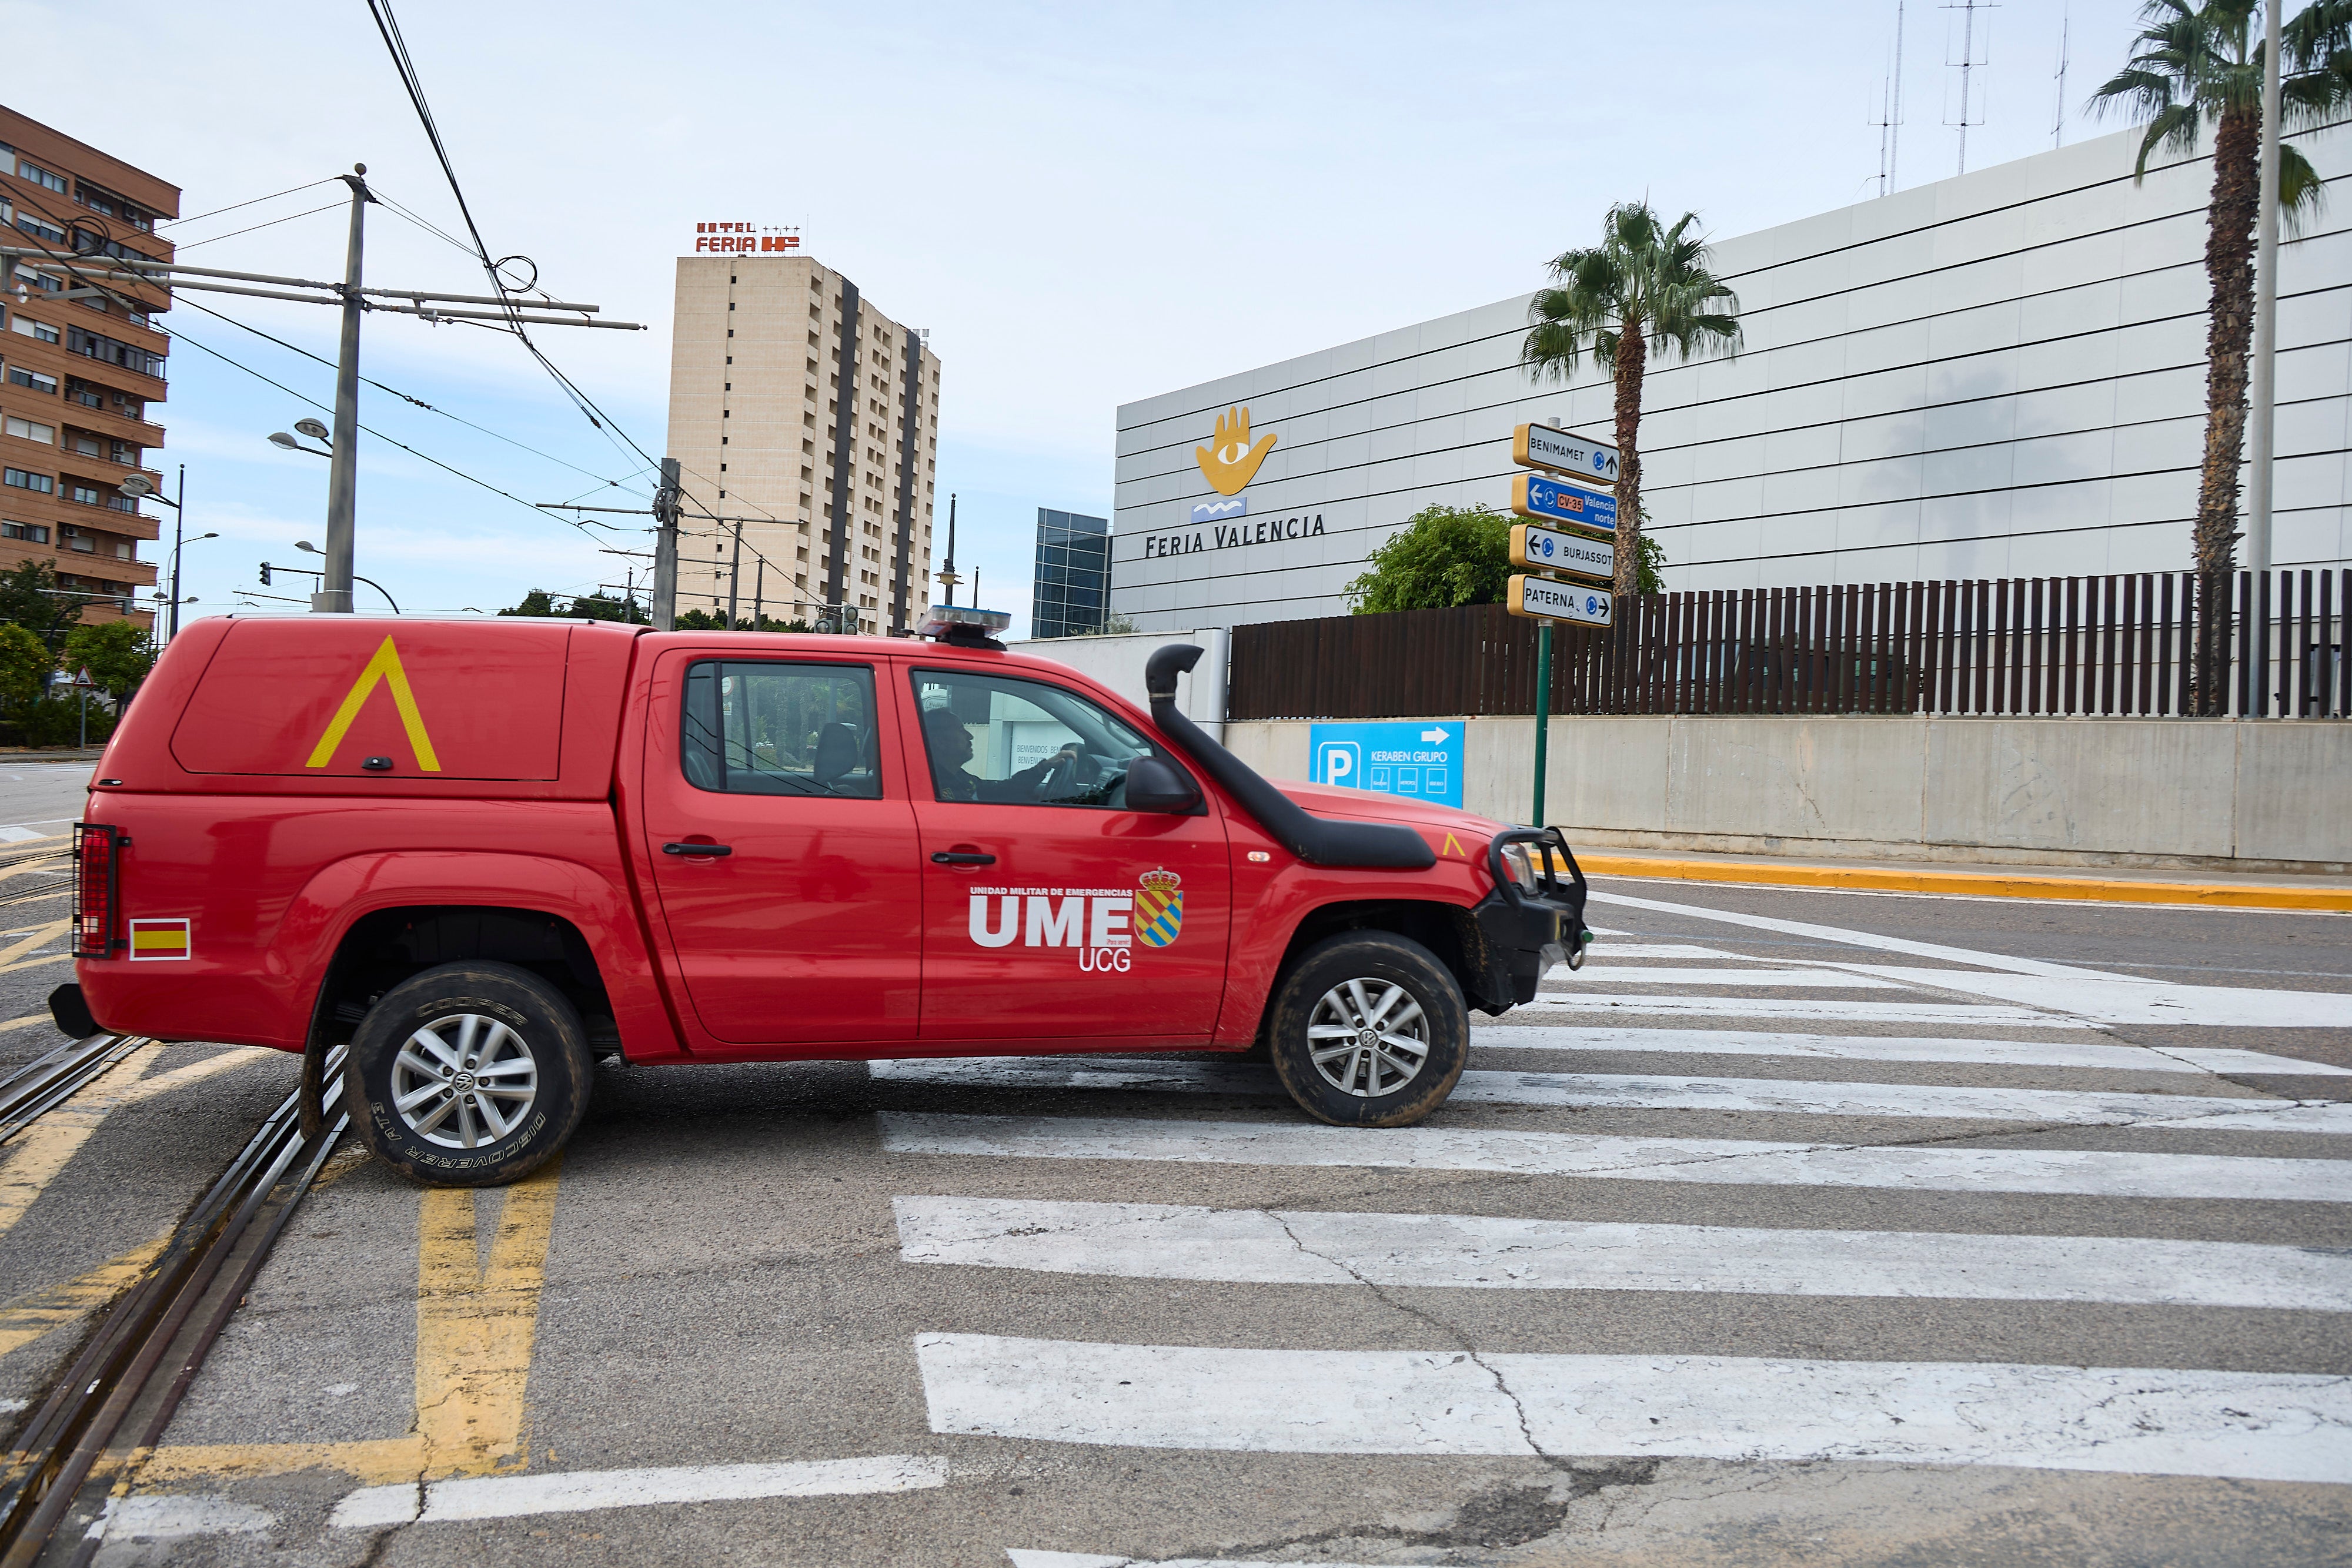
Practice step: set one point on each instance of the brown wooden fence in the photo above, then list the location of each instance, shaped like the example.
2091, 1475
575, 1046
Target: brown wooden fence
2125, 644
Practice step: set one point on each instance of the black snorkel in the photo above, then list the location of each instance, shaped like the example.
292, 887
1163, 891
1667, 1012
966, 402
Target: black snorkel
1315, 840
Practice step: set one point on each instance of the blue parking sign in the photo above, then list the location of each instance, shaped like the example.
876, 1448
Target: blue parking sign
1416, 761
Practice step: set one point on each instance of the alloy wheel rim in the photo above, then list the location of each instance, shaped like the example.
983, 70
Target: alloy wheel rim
464, 1081
1367, 1038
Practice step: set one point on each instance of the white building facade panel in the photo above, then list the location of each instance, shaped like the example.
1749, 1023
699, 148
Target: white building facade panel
1997, 375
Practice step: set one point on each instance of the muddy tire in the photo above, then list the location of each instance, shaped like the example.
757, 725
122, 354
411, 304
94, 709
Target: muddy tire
1369, 1030
470, 1074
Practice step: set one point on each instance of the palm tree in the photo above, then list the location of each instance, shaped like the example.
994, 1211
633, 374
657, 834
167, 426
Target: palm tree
1644, 287
2199, 65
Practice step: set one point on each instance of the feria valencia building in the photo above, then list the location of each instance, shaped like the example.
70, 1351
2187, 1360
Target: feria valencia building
1997, 375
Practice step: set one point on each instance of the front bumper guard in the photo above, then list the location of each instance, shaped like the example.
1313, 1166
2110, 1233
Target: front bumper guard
1526, 932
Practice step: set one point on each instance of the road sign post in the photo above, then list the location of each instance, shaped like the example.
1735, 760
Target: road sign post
1580, 542
1543, 712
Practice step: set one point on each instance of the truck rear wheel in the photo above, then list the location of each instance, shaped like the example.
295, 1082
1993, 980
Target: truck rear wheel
1369, 1030
469, 1074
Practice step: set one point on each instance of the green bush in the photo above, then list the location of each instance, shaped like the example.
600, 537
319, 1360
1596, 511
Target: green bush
55, 721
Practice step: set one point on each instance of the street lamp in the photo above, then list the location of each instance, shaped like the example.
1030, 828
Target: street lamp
139, 487
279, 438
305, 545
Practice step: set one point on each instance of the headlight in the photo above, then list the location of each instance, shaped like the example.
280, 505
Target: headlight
1520, 862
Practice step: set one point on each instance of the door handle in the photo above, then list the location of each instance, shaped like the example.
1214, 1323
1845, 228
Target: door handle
962, 857
713, 850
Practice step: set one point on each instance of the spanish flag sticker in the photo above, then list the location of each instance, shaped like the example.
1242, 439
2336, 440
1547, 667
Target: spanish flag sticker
159, 939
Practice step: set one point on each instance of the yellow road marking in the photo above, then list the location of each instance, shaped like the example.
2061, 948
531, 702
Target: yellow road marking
195, 1072
40, 934
476, 1322
40, 1151
35, 963
1981, 884
27, 1317
29, 1018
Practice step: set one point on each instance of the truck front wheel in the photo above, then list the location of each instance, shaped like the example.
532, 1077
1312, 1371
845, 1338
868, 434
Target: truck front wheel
1369, 1030
470, 1074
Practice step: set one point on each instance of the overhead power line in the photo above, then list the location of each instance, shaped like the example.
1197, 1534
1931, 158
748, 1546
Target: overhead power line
310, 213
233, 206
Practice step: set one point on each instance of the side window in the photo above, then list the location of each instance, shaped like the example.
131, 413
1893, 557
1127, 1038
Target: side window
1022, 743
761, 727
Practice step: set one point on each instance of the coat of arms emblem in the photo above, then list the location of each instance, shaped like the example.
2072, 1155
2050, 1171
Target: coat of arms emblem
1159, 908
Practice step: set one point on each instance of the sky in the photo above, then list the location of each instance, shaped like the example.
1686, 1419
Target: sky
1086, 204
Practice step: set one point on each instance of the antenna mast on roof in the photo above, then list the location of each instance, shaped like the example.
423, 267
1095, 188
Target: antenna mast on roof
1966, 63
1894, 108
2058, 116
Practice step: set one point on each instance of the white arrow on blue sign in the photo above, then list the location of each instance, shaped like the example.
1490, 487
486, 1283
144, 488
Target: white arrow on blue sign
1568, 506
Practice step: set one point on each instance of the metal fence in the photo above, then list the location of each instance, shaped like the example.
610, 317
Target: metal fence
2246, 644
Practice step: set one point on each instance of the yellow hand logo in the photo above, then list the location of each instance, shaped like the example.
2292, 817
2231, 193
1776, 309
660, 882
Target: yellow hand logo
1232, 461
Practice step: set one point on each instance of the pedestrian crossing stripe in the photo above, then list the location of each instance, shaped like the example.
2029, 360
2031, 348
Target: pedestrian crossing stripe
1158, 908
153, 939
2247, 1425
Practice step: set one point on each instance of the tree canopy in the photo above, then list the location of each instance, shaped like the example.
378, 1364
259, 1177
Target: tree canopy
580, 607
24, 668
117, 653
1442, 556
27, 599
1645, 287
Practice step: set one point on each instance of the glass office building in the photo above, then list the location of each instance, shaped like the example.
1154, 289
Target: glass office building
1073, 587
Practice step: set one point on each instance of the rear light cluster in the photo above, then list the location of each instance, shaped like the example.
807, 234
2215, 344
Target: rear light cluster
97, 852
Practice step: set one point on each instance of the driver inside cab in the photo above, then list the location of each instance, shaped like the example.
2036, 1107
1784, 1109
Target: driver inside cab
950, 744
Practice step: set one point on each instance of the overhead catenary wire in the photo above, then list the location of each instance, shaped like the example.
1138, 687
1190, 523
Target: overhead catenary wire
73, 265
380, 435
233, 206
310, 213
388, 28
412, 399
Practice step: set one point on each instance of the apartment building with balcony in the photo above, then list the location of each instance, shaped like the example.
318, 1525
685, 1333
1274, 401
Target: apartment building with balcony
79, 365
795, 404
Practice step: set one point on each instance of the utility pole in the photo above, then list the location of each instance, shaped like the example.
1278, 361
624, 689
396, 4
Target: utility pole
734, 576
334, 595
99, 273
666, 549
179, 530
759, 592
2262, 436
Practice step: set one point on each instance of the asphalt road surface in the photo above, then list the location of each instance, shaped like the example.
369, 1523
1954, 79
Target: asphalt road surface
1798, 1227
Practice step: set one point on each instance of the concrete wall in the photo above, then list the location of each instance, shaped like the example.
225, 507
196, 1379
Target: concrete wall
2247, 795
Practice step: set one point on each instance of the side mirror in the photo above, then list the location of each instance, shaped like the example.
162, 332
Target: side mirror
1155, 785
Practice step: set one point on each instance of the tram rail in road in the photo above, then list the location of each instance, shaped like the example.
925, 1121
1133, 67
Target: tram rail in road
49, 1080
118, 1394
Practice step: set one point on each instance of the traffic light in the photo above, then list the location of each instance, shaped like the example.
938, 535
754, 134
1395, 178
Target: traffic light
265, 574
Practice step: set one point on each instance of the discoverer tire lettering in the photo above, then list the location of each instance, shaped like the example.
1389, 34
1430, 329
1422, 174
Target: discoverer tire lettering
517, 1016
1414, 986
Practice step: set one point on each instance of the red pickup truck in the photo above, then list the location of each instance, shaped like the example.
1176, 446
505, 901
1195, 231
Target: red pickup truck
481, 855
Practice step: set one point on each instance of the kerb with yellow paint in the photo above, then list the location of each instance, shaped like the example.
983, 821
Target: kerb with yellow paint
1978, 884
